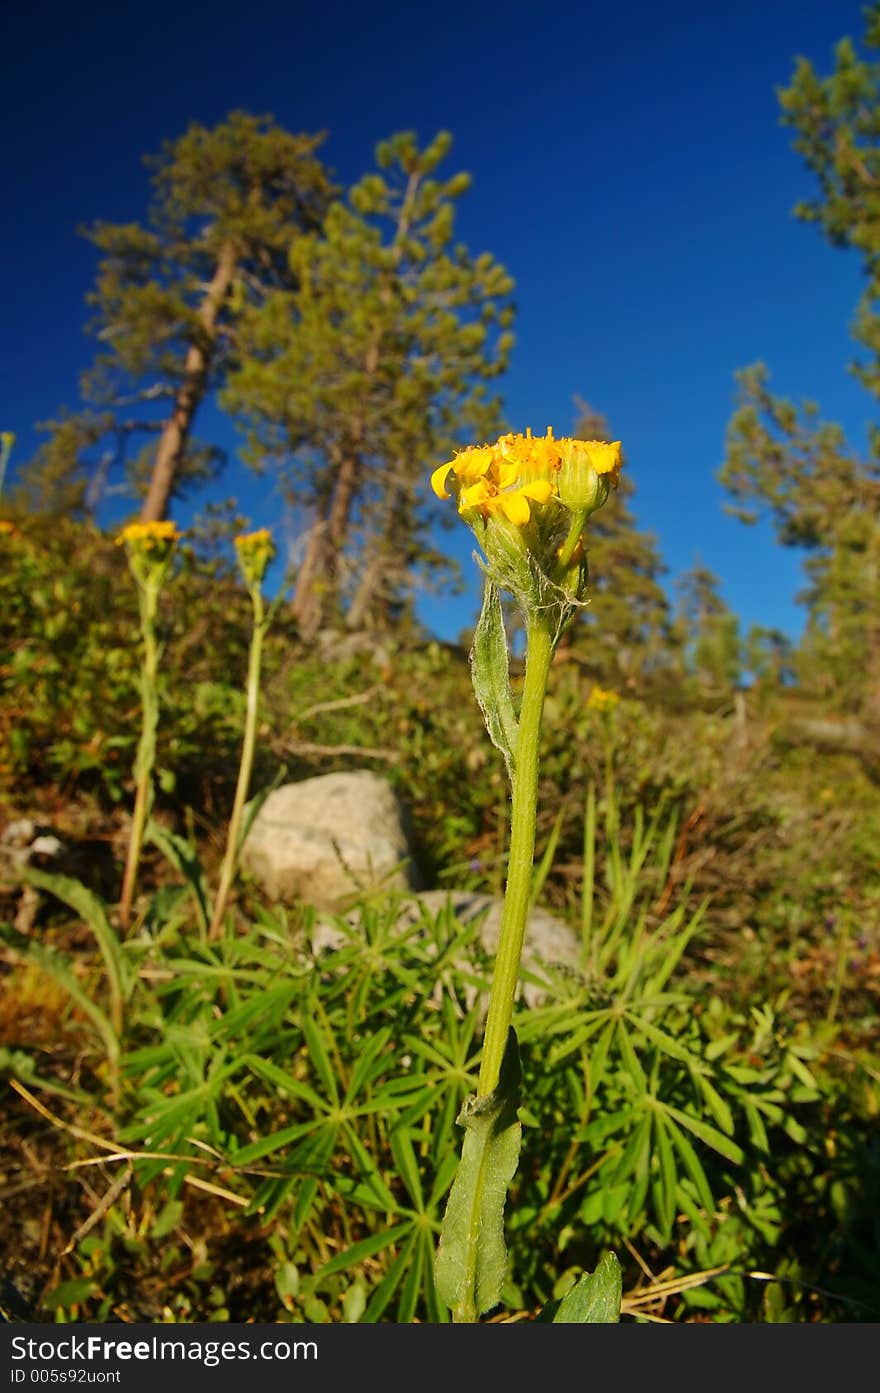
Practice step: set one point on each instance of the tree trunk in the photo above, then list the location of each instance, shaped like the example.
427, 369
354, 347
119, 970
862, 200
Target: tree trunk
307, 603
369, 587
175, 433
317, 574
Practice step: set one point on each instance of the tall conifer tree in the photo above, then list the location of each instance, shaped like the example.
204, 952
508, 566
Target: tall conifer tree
227, 203
370, 374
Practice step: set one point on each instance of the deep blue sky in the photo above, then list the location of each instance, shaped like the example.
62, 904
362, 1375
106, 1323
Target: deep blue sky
629, 170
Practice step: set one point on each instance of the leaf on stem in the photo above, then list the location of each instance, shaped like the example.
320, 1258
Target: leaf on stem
595, 1299
491, 676
471, 1263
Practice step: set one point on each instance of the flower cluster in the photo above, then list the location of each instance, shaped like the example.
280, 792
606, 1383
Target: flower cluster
521, 471
149, 536
150, 547
254, 550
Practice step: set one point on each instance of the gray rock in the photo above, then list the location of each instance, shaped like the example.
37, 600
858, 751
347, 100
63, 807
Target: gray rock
326, 841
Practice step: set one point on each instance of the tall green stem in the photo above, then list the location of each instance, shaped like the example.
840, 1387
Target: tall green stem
539, 653
230, 859
148, 598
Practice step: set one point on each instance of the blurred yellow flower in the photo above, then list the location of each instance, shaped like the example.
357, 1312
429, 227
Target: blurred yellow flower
255, 550
148, 535
602, 700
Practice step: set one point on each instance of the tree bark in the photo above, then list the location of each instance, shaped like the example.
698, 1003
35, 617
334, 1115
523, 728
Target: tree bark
176, 430
307, 603
317, 574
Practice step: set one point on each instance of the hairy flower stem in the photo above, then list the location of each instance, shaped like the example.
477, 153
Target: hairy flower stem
230, 859
539, 653
148, 600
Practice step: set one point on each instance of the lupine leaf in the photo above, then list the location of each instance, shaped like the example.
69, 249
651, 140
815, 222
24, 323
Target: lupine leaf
471, 1264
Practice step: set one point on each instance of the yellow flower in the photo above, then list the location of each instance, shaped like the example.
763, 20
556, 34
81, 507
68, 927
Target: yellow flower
521, 470
255, 550
148, 536
602, 700
468, 466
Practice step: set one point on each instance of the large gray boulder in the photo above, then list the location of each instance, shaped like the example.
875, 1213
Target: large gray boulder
327, 841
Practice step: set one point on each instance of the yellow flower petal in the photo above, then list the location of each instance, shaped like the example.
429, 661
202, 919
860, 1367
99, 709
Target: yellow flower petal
514, 506
476, 495
439, 480
540, 490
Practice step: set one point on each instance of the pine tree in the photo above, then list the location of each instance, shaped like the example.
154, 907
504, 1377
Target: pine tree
781, 459
824, 500
713, 649
836, 120
227, 203
370, 375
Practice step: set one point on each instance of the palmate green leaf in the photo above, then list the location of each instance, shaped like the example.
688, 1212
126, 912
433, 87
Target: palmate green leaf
471, 1262
595, 1300
490, 675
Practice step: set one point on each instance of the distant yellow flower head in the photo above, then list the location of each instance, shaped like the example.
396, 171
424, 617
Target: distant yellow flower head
7, 440
8, 529
602, 700
254, 550
150, 547
149, 536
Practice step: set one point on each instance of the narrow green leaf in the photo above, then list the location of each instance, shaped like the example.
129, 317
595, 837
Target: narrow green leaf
630, 1058
490, 675
93, 912
407, 1165
757, 1130
639, 1140
667, 1186
365, 1061
390, 1282
693, 1168
178, 852
667, 1043
710, 1135
52, 962
718, 1106
542, 870
595, 1299
266, 1145
317, 1047
367, 1248
471, 1263
265, 1069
